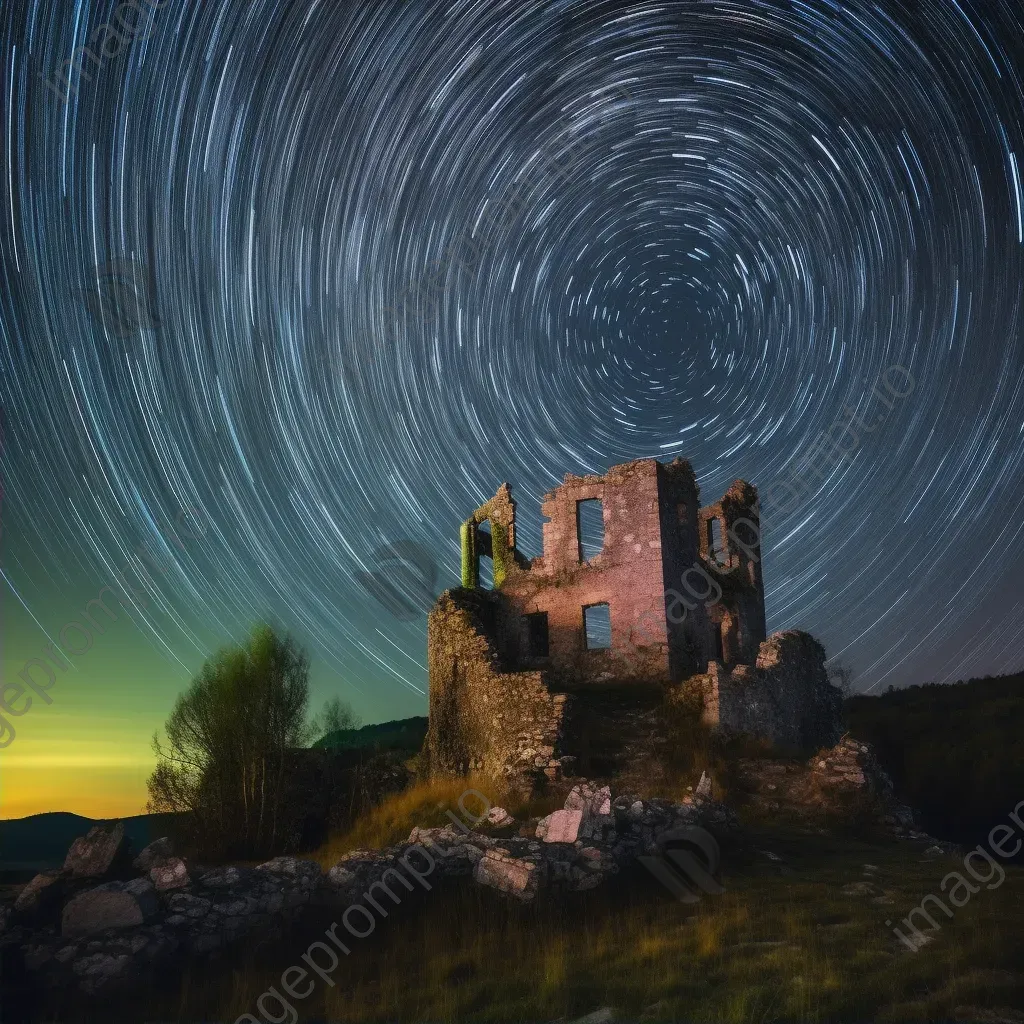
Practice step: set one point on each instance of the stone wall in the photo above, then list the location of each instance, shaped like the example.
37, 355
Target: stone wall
786, 698
685, 599
668, 594
735, 562
627, 576
689, 627
483, 718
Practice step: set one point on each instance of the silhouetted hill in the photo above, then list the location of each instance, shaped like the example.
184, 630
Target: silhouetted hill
954, 751
40, 841
405, 734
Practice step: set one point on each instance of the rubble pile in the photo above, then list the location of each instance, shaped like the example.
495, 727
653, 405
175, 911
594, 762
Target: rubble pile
80, 927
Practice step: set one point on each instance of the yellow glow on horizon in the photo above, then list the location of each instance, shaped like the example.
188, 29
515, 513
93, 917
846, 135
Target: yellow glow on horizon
96, 768
95, 791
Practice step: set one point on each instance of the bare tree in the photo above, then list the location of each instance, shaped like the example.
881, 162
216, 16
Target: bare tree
335, 716
227, 742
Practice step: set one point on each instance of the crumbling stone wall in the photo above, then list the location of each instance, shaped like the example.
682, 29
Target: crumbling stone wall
689, 626
735, 562
685, 599
627, 576
484, 718
786, 698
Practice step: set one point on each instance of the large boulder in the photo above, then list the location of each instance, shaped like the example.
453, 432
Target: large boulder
98, 854
154, 855
45, 888
115, 905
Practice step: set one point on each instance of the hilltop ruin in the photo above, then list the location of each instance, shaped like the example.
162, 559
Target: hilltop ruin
668, 600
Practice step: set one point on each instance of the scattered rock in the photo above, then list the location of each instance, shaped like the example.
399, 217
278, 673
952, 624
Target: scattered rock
499, 817
518, 876
115, 905
154, 855
45, 888
606, 1015
703, 790
858, 889
112, 933
98, 853
169, 874
560, 827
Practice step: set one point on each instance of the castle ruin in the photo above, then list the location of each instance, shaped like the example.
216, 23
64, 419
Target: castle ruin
639, 592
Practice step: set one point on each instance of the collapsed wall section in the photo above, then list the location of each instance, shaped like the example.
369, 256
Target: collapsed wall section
688, 626
786, 698
730, 546
484, 719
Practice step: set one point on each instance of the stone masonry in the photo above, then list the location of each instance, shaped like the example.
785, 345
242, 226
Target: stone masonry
673, 593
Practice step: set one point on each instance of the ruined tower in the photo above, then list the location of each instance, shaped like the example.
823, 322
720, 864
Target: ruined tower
637, 587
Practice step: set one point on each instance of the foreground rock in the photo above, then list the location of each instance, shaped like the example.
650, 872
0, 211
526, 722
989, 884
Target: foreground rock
158, 852
103, 850
170, 874
113, 906
124, 932
120, 932
577, 848
45, 889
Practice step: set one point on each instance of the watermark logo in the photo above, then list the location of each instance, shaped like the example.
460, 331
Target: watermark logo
687, 862
405, 582
120, 299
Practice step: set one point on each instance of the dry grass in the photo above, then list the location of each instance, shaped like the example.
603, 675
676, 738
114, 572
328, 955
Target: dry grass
424, 805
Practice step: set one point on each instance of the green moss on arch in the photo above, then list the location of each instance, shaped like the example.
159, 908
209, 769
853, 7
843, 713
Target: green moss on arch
470, 564
501, 553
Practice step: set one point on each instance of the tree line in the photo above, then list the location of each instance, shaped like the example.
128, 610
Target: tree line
229, 744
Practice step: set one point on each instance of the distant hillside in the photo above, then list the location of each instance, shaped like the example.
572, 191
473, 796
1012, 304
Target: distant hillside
406, 734
40, 841
955, 752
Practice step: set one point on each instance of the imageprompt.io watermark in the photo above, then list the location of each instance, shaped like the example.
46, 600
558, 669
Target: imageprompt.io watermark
120, 298
321, 957
687, 863
404, 581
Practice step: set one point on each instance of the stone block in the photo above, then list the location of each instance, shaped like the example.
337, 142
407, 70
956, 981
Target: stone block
170, 874
516, 876
156, 853
106, 907
499, 817
98, 853
560, 826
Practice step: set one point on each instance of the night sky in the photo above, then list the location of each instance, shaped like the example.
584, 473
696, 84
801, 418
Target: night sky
287, 282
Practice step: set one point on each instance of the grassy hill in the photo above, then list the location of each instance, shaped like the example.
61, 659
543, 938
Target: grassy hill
404, 735
955, 751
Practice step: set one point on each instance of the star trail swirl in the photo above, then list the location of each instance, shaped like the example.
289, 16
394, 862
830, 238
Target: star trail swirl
392, 254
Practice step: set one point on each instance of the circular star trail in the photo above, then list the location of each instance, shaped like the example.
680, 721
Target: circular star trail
327, 274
